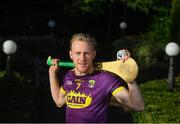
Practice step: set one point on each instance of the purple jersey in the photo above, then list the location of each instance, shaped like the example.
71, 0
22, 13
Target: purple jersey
88, 96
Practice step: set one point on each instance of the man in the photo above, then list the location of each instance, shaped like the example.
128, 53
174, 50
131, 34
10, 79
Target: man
86, 90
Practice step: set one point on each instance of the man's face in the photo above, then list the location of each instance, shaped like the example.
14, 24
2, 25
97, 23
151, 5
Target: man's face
82, 54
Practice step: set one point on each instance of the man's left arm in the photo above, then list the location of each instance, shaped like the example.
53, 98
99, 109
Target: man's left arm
131, 97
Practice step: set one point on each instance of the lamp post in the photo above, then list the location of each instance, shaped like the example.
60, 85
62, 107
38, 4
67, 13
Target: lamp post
172, 49
123, 26
51, 25
9, 48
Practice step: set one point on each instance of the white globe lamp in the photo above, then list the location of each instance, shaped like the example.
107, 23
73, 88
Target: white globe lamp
9, 47
123, 25
172, 49
51, 24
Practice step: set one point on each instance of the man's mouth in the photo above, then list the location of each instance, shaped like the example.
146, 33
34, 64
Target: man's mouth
82, 64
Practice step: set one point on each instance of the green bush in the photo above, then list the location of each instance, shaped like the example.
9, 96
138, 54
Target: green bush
145, 54
12, 79
175, 23
161, 105
151, 48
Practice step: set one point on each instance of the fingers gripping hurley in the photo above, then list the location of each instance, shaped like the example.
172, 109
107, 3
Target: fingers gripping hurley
127, 70
62, 64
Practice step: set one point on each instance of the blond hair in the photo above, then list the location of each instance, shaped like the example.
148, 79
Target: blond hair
84, 38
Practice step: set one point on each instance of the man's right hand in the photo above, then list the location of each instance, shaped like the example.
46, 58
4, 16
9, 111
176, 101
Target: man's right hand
54, 68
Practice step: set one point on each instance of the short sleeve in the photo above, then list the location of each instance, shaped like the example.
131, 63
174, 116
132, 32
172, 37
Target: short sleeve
62, 90
118, 86
117, 90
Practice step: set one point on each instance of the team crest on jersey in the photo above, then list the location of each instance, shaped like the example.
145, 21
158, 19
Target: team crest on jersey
69, 82
91, 83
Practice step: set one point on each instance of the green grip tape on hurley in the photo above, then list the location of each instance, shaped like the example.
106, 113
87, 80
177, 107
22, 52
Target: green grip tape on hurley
62, 64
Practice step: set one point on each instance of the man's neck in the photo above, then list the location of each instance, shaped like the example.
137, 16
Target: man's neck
90, 70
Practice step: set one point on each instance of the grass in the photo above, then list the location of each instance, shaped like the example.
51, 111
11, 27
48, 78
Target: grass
161, 105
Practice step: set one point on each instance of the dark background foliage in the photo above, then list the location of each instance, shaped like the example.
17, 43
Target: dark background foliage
25, 94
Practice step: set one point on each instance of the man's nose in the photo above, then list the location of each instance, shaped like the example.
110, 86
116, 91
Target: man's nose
82, 57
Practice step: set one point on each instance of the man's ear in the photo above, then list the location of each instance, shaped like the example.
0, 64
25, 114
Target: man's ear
70, 54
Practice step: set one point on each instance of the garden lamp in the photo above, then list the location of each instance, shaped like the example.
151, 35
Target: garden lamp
172, 49
123, 26
9, 48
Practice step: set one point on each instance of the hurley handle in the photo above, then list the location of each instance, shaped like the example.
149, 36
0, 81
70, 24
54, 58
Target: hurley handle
62, 64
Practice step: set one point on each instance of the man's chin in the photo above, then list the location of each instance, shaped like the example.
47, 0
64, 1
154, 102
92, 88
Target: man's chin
83, 70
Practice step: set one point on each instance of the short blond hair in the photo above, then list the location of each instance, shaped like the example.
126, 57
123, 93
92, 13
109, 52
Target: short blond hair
85, 38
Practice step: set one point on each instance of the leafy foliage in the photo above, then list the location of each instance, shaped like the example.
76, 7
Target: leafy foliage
145, 54
142, 5
175, 23
150, 50
94, 6
161, 105
86, 6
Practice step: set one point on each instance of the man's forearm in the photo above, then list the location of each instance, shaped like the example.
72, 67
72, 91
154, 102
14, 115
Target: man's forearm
135, 96
54, 86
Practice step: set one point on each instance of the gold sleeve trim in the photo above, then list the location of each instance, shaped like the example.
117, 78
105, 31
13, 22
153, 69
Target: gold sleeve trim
62, 90
117, 90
